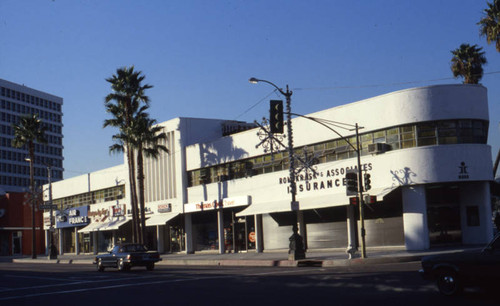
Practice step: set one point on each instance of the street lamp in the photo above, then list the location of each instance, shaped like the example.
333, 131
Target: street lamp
296, 242
52, 247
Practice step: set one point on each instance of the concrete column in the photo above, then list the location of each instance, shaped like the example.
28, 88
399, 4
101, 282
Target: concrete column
160, 238
77, 242
220, 230
259, 235
47, 246
352, 237
475, 198
60, 232
188, 228
415, 218
96, 243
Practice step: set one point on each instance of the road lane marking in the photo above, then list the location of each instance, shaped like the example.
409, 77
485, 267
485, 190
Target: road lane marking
68, 284
110, 287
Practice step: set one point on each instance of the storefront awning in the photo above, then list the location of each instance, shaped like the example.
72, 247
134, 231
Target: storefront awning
285, 205
114, 225
160, 219
314, 202
92, 227
104, 226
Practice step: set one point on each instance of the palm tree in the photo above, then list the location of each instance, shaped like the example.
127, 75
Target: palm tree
125, 100
467, 62
147, 141
490, 24
27, 131
490, 27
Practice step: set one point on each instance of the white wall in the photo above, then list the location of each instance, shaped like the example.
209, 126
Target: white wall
415, 218
476, 194
102, 179
431, 103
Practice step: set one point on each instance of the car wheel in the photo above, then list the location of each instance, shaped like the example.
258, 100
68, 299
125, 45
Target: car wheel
150, 267
100, 267
448, 283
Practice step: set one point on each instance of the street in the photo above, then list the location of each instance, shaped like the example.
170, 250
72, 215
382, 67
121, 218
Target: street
387, 284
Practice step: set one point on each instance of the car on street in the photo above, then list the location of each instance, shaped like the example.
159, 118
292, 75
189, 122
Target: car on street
126, 256
452, 272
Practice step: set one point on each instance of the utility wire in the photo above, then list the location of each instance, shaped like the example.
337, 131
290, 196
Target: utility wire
260, 101
383, 85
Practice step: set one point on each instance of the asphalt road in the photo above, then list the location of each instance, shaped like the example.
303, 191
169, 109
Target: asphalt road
73, 285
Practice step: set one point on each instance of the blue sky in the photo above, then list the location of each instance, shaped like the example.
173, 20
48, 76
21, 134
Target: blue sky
198, 55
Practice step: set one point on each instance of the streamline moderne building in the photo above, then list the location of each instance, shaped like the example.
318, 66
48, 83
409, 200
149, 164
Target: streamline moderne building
424, 148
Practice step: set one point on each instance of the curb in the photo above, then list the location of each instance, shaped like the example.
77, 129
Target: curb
248, 263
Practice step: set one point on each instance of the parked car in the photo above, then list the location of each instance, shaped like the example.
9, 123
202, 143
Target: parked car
454, 271
126, 256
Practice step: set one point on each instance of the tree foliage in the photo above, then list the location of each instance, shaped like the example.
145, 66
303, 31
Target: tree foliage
467, 62
138, 136
489, 25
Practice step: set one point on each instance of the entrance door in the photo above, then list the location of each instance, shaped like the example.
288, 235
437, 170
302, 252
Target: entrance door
443, 215
17, 243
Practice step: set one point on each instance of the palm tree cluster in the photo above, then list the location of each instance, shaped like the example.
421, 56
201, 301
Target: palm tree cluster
27, 131
138, 136
467, 60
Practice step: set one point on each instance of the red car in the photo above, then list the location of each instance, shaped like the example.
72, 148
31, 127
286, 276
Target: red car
126, 256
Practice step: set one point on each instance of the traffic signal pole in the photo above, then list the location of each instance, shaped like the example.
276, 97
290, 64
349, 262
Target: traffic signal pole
360, 196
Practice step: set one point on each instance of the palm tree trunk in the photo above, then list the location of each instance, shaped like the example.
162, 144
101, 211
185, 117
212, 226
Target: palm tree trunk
31, 153
495, 166
140, 181
133, 196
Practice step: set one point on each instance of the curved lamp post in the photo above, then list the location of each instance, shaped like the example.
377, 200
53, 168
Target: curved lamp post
296, 242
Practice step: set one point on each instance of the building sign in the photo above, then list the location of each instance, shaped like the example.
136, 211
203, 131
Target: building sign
463, 174
118, 210
328, 179
99, 215
164, 208
72, 217
215, 204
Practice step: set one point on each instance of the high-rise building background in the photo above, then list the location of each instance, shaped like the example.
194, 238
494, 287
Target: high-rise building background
16, 101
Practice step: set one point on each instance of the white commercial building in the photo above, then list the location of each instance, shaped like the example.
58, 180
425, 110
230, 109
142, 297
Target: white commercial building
425, 150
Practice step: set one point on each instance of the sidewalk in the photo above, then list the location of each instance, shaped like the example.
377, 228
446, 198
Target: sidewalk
275, 258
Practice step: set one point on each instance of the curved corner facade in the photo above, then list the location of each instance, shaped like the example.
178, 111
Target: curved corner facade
424, 150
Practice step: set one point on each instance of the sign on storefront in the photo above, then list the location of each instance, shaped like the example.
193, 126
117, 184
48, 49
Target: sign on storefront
72, 217
215, 204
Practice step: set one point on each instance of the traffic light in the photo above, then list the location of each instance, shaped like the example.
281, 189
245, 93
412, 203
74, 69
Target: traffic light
276, 116
351, 182
367, 181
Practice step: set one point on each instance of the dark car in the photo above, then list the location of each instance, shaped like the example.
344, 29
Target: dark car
454, 271
126, 256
